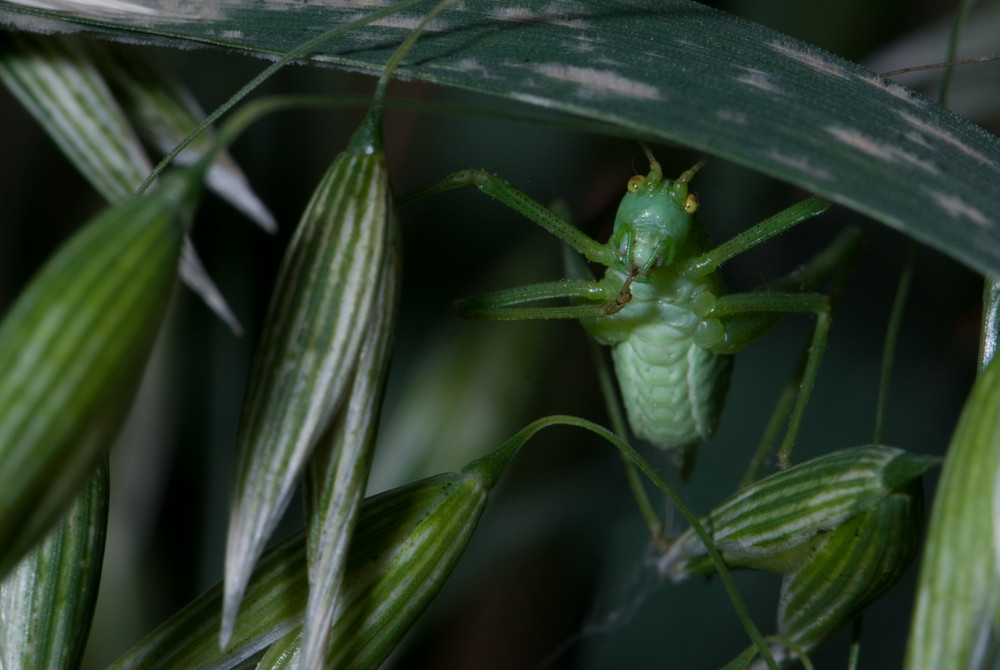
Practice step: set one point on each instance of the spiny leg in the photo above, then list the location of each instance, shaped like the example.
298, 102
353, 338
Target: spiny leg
835, 260
748, 315
742, 331
708, 262
517, 200
513, 304
500, 305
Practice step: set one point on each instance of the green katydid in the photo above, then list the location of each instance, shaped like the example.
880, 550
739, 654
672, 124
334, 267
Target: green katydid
660, 305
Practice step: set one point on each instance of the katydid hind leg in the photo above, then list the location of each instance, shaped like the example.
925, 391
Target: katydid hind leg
748, 316
520, 202
743, 328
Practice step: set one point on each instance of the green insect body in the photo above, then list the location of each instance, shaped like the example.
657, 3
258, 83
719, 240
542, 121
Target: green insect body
672, 382
660, 305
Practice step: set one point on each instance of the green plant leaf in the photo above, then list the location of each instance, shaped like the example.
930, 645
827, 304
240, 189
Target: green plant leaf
324, 298
73, 347
956, 620
406, 543
668, 70
47, 602
64, 89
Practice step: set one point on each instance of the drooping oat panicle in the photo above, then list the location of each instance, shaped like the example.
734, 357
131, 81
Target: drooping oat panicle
272, 607
336, 280
55, 79
47, 601
773, 523
401, 554
91, 98
405, 544
841, 529
851, 568
319, 314
385, 588
338, 471
73, 347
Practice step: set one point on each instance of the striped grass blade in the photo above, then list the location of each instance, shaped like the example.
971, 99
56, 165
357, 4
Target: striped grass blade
73, 347
405, 544
338, 471
320, 310
773, 523
47, 602
956, 621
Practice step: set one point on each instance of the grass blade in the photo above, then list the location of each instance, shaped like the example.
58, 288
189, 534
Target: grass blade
73, 347
956, 621
780, 106
404, 546
771, 524
322, 303
47, 602
338, 472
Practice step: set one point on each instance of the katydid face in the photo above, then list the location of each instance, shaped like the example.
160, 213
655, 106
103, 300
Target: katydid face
653, 221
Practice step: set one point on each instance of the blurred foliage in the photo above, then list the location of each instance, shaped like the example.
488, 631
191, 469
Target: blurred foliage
557, 573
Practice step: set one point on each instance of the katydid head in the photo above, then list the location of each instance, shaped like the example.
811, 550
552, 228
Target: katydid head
654, 218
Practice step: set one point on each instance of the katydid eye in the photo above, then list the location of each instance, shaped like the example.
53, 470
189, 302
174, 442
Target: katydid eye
690, 203
635, 182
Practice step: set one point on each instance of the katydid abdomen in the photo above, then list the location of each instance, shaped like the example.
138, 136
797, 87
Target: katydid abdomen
672, 386
674, 389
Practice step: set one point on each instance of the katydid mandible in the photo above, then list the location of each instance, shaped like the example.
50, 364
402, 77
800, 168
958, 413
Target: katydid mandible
660, 305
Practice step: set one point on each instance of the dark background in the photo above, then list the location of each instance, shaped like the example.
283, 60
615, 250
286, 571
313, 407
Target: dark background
557, 572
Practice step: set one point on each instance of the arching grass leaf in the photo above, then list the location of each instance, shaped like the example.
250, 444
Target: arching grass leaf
670, 70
